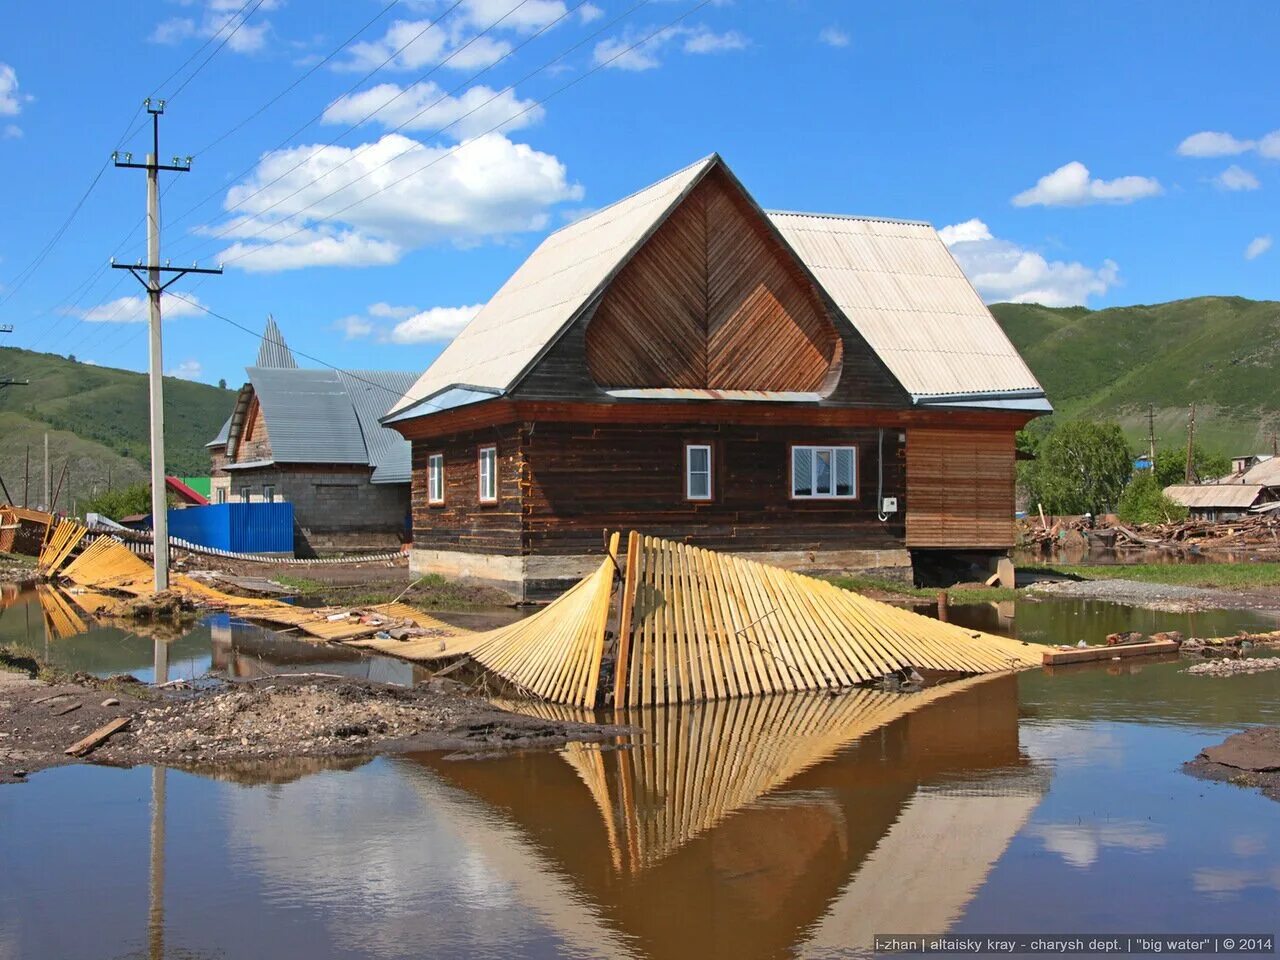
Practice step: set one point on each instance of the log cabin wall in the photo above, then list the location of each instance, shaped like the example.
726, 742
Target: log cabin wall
583, 478
961, 487
254, 443
463, 523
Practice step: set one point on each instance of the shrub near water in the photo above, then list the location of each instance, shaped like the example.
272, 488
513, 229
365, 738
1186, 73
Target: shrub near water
1144, 501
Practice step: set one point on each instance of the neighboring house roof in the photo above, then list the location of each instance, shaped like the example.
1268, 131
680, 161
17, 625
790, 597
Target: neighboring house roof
1215, 496
274, 352
223, 435
1266, 473
185, 492
896, 283
326, 416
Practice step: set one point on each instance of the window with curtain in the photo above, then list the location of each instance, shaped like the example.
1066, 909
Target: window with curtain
488, 469
824, 473
435, 478
697, 471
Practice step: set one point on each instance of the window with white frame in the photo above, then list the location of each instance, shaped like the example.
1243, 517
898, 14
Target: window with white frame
824, 473
268, 493
697, 471
435, 478
246, 494
488, 469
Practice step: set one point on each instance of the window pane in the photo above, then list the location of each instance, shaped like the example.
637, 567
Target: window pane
844, 471
699, 486
822, 471
802, 471
699, 459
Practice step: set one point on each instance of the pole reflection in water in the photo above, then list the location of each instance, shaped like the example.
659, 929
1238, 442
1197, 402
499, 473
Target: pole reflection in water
155, 912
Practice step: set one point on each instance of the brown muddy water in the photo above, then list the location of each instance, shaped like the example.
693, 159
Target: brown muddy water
795, 827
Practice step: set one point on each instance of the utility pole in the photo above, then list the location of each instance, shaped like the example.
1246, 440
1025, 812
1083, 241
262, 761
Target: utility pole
47, 484
151, 280
26, 479
1191, 439
9, 381
1151, 434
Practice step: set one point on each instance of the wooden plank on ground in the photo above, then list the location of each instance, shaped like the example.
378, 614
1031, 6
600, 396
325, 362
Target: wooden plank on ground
97, 738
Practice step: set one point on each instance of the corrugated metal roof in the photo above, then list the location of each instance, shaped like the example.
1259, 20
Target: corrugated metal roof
249, 465
223, 435
703, 393
274, 352
1266, 473
446, 399
309, 416
540, 299
371, 392
1215, 495
900, 287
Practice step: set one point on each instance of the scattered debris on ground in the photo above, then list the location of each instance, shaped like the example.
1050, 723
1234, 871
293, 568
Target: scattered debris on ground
1153, 596
120, 720
1252, 532
1228, 668
1250, 759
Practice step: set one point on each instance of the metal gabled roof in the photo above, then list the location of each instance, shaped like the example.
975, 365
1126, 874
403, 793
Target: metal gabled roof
223, 435
543, 296
370, 393
898, 284
1215, 496
274, 352
309, 416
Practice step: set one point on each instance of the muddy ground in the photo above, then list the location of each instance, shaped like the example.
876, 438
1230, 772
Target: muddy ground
271, 719
1250, 759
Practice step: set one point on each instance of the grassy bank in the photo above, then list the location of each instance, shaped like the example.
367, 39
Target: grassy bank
1225, 576
431, 592
878, 588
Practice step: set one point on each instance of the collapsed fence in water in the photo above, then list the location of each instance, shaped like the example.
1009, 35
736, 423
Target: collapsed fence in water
691, 625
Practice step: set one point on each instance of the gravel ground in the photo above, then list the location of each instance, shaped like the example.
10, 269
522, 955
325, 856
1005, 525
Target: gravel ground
1154, 596
1247, 759
1228, 668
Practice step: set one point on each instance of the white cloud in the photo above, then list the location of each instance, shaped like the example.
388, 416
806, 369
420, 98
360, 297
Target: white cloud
1003, 271
1213, 143
412, 195
833, 37
1071, 185
589, 13
11, 100
135, 309
1080, 844
1257, 247
221, 19
425, 106
426, 44
635, 49
1269, 146
436, 324
187, 370
1236, 178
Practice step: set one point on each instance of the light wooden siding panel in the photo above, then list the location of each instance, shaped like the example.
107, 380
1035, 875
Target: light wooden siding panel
766, 329
712, 300
960, 488
651, 326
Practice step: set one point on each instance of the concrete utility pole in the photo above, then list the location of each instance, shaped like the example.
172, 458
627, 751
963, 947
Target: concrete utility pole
47, 484
151, 280
1151, 434
1191, 440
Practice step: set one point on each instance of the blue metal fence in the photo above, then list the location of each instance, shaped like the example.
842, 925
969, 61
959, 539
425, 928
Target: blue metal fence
238, 527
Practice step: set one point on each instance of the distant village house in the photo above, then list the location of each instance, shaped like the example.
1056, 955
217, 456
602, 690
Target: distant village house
312, 438
824, 392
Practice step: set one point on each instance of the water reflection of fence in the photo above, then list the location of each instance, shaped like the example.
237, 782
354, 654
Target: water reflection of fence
696, 764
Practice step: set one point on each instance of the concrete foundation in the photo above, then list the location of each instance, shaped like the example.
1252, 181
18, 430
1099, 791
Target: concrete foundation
534, 578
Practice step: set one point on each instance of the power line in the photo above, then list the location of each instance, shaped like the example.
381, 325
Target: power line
222, 43
478, 107
457, 147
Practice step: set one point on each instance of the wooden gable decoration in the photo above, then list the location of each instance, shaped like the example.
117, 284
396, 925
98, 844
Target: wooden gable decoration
713, 299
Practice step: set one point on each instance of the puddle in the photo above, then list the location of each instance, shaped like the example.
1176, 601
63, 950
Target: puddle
762, 828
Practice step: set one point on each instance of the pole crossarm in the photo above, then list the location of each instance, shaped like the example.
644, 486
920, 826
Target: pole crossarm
178, 273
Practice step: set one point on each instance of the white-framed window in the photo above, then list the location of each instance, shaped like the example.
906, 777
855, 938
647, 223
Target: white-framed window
268, 493
697, 471
487, 464
824, 473
435, 478
246, 494
220, 495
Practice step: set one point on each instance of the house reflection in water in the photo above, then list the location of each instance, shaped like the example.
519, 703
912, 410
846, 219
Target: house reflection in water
759, 827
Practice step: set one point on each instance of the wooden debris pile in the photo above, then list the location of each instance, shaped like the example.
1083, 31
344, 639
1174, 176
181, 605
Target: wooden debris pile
1253, 531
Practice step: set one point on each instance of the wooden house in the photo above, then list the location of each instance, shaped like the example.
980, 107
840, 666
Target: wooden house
823, 392
312, 438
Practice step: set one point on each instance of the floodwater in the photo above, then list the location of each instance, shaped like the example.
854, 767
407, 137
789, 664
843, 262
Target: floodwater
799, 826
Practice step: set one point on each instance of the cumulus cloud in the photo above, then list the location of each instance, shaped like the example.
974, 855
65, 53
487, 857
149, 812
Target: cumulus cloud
833, 37
424, 44
1213, 143
409, 324
1269, 146
11, 100
187, 370
135, 309
221, 19
406, 195
1257, 247
1071, 185
426, 106
1080, 844
1236, 178
631, 50
1003, 271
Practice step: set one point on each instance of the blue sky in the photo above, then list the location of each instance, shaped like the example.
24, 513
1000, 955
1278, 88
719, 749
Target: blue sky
1106, 154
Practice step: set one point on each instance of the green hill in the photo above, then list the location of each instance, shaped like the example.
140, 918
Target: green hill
1220, 353
97, 420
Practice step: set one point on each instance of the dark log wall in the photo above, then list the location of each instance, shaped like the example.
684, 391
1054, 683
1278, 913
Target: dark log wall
961, 485
581, 479
713, 299
463, 522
